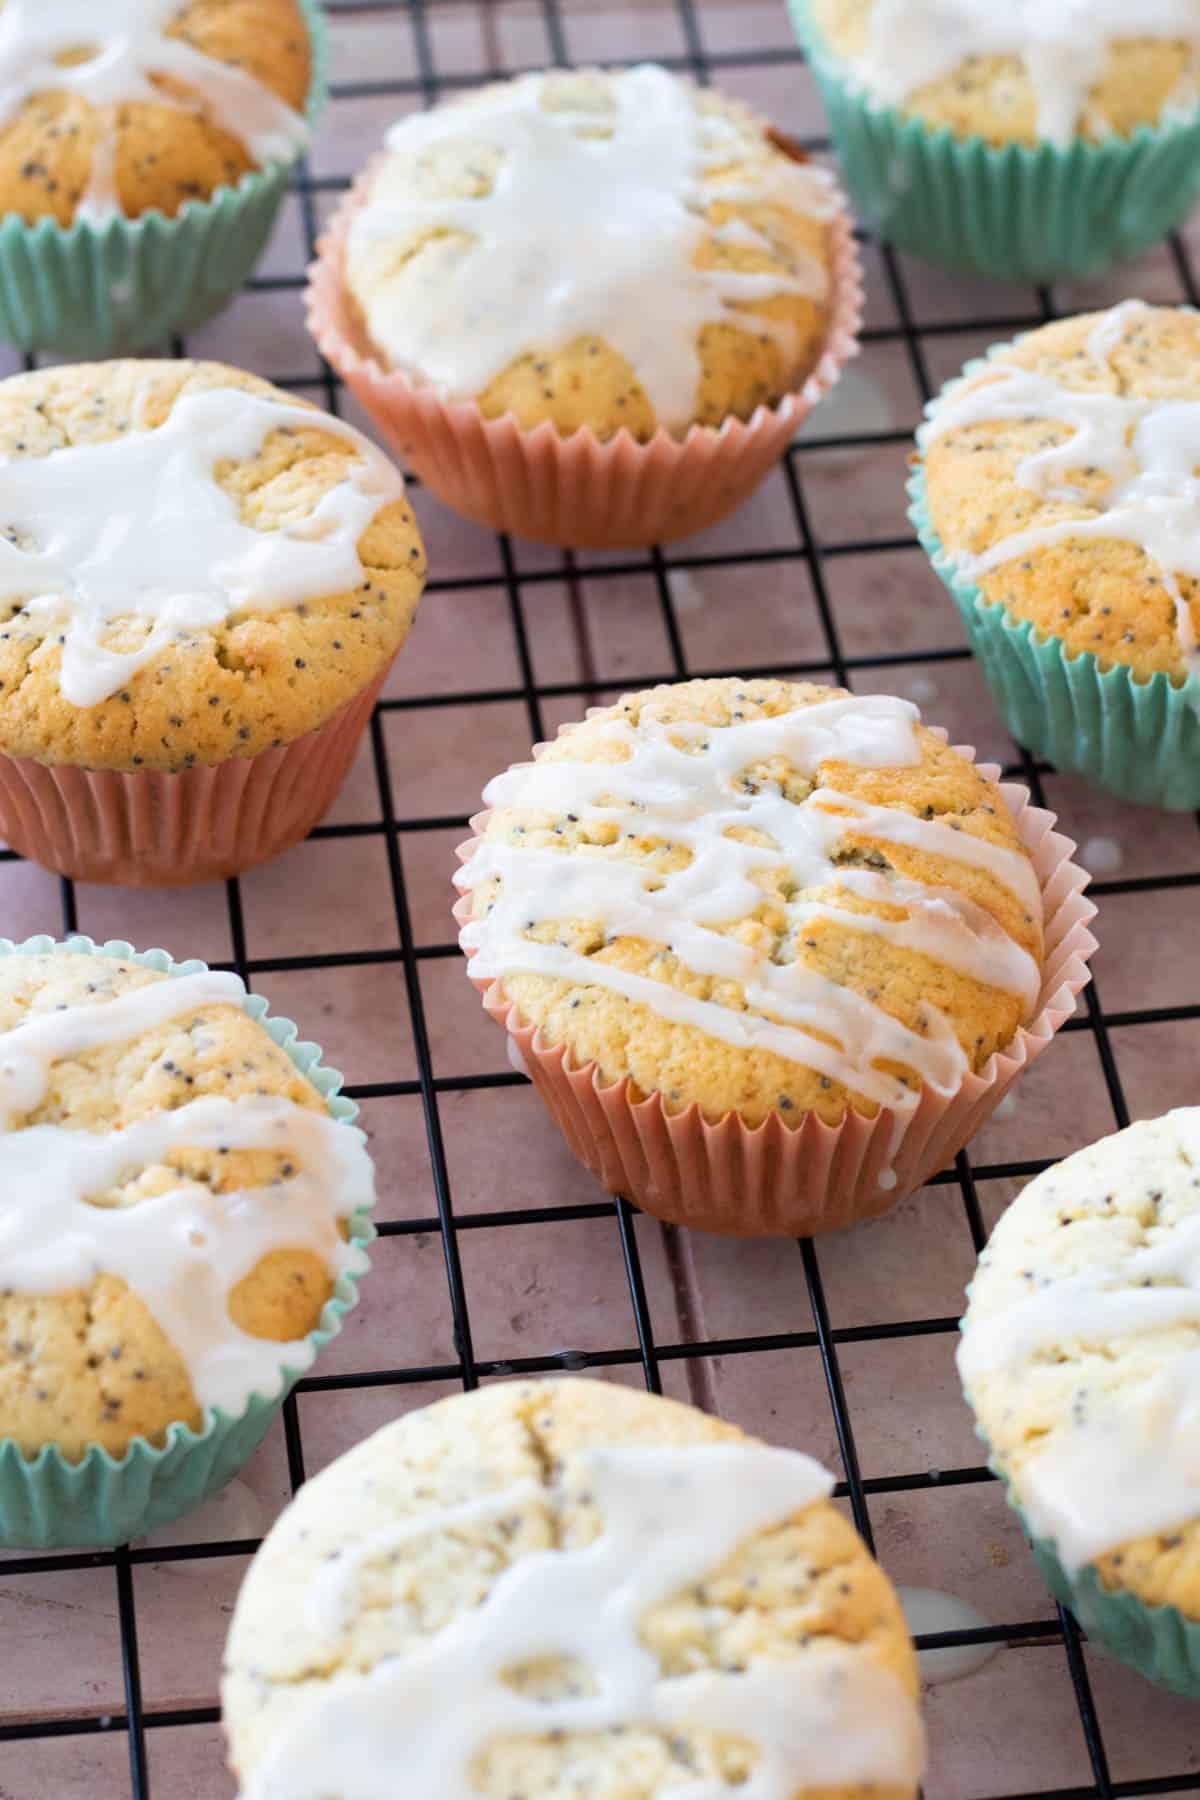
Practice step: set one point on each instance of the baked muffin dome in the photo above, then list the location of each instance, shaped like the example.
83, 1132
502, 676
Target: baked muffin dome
193, 565
173, 1200
1079, 1351
633, 1598
145, 104
758, 897
611, 250
1061, 478
1035, 71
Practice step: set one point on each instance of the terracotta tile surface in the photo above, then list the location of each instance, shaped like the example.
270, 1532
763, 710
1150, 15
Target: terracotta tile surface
476, 1188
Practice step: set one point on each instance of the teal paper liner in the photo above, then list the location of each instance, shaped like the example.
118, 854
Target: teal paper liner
1138, 739
1017, 213
1160, 1642
119, 285
47, 1502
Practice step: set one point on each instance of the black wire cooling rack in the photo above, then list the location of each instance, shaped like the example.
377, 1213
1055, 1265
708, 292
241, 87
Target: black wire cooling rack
422, 81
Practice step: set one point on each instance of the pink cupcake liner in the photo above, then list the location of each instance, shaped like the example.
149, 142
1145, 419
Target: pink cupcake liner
575, 491
775, 1180
149, 828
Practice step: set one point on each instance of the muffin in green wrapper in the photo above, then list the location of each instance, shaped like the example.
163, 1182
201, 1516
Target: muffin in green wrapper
1080, 1357
1031, 142
184, 1211
141, 173
1055, 495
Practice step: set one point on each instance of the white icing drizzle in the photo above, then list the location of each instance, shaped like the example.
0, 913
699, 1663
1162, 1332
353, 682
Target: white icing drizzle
29, 1050
181, 1251
130, 46
826, 1718
1129, 1465
1102, 855
582, 235
694, 797
138, 528
1064, 45
927, 1610
1150, 449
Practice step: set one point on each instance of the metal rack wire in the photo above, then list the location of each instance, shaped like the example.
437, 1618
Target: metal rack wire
643, 1352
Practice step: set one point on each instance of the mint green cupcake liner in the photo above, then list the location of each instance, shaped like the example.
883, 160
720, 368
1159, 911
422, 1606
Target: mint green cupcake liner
120, 285
1016, 213
1160, 1642
1138, 739
47, 1502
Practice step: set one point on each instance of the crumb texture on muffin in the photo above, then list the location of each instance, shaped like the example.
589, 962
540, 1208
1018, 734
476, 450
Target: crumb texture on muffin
144, 104
1081, 1351
173, 1198
605, 250
759, 897
1025, 72
193, 565
1061, 476
632, 1596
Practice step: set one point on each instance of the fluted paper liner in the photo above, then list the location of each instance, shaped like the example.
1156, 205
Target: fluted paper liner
774, 1180
1140, 739
154, 828
1015, 212
1160, 1641
47, 1501
575, 491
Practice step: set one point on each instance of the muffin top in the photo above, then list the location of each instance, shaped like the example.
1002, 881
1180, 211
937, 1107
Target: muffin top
193, 565
561, 1587
140, 104
172, 1202
612, 250
1061, 476
760, 897
1026, 71
1081, 1350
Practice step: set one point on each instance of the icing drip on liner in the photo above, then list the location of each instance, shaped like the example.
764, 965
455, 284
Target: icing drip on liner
131, 46
694, 797
1150, 449
181, 1251
137, 528
827, 1717
1063, 44
1129, 1467
581, 236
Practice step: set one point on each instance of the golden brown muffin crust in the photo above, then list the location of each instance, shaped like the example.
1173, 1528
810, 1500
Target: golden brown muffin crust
686, 1065
588, 382
807, 1582
92, 1365
164, 155
1101, 594
1098, 1208
260, 679
992, 97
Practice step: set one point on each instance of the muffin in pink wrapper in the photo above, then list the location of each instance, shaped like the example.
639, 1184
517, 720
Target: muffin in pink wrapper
203, 584
771, 953
589, 308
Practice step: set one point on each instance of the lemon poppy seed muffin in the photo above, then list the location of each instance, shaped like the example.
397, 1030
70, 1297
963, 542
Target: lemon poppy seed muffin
759, 898
174, 1204
1038, 71
1079, 1354
616, 251
633, 1598
1060, 478
186, 99
193, 566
